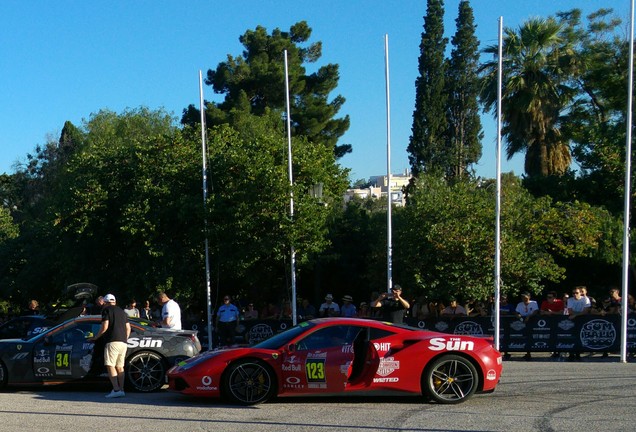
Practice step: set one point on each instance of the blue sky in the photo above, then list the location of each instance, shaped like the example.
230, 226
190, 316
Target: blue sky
64, 60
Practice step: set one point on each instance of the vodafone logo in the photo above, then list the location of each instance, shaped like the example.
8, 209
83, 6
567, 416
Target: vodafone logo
206, 380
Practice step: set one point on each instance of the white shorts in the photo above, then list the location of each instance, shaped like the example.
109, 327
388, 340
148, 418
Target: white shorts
115, 354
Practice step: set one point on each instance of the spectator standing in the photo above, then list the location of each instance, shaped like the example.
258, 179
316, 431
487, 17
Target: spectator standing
115, 331
436, 307
392, 305
578, 304
420, 309
615, 299
96, 309
170, 312
270, 311
565, 299
552, 305
227, 320
363, 311
348, 309
505, 308
373, 311
146, 311
33, 308
131, 309
329, 308
250, 312
286, 312
590, 299
526, 309
453, 309
479, 309
306, 311
603, 307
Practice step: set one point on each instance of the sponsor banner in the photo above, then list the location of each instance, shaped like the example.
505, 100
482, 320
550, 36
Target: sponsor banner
541, 333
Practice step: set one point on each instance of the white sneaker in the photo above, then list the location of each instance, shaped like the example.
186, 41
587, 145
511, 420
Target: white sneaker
116, 394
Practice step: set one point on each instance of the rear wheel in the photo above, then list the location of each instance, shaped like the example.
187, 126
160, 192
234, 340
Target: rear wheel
146, 372
249, 382
450, 379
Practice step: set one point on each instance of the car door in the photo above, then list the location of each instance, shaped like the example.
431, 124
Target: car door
365, 361
66, 354
319, 362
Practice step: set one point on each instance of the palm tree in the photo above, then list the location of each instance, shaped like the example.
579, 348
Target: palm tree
537, 62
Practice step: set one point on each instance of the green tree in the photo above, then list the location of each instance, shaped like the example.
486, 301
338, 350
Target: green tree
29, 263
255, 82
427, 145
464, 133
596, 121
538, 62
129, 217
444, 244
8, 229
251, 228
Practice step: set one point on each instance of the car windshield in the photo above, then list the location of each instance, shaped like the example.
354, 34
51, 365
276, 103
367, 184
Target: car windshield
45, 332
282, 339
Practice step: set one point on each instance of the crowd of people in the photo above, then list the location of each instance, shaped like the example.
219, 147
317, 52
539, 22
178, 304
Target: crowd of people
163, 305
391, 306
394, 307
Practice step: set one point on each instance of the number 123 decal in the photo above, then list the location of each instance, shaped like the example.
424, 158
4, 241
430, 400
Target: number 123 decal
315, 370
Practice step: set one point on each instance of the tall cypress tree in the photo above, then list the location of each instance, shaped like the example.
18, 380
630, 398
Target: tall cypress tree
427, 150
464, 124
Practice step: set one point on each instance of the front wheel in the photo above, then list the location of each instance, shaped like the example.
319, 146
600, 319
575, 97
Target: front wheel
146, 372
450, 379
249, 382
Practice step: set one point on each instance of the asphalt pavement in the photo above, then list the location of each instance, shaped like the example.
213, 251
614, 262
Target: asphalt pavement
544, 394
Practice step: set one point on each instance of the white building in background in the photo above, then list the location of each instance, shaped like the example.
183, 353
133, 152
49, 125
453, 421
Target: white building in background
380, 187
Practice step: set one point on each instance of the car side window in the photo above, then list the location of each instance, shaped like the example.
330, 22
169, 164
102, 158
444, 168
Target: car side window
76, 333
379, 333
328, 337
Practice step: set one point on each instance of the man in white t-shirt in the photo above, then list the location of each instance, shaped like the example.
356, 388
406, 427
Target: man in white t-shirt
170, 313
526, 307
578, 304
329, 308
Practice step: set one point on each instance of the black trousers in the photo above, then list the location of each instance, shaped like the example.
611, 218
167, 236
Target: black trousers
227, 331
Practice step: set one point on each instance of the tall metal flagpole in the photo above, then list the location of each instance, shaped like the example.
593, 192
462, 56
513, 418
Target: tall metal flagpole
498, 202
291, 191
205, 204
628, 171
389, 241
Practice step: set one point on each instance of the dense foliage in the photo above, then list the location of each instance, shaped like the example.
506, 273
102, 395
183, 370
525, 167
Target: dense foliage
117, 201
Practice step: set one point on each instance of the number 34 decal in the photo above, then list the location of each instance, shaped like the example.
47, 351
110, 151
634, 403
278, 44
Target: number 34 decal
63, 362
